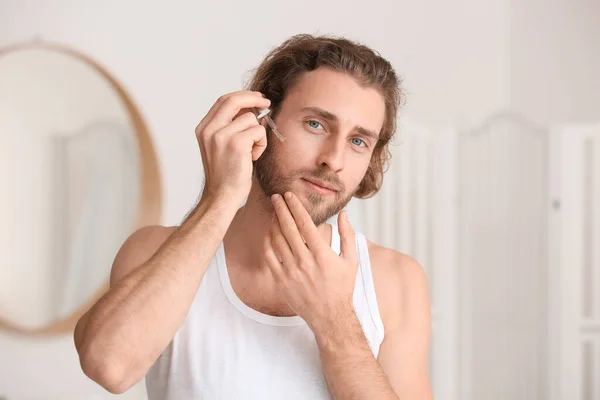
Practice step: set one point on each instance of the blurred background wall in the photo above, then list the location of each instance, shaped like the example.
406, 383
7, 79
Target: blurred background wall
464, 62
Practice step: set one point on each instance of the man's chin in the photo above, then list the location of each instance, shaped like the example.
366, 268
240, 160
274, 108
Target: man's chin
319, 207
317, 211
320, 213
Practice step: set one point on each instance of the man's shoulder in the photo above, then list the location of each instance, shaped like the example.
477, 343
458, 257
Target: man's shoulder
150, 235
393, 264
397, 277
137, 248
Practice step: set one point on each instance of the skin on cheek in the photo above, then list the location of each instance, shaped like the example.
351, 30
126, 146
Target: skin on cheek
298, 152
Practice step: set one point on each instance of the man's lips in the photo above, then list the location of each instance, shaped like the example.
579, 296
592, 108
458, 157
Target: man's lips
322, 185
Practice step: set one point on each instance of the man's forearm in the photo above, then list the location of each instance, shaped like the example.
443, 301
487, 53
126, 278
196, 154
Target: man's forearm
351, 370
135, 320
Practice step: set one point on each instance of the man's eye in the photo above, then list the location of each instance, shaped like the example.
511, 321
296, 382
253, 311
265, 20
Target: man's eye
314, 124
359, 141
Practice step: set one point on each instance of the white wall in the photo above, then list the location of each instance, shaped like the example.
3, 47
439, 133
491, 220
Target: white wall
555, 59
462, 60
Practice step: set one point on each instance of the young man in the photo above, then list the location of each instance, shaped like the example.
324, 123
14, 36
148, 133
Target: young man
267, 301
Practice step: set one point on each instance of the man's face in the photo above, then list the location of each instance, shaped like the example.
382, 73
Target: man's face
331, 125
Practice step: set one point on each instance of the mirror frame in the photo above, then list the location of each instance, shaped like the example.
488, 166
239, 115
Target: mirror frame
149, 206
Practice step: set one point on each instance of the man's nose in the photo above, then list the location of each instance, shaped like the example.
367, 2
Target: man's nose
332, 154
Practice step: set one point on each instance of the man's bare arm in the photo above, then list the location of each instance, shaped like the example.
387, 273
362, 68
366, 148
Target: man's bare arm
404, 352
351, 370
122, 335
401, 368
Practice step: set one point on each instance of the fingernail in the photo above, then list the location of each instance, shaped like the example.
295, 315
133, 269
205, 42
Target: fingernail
288, 195
275, 197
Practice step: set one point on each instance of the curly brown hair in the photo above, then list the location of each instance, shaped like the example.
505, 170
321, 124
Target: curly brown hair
283, 66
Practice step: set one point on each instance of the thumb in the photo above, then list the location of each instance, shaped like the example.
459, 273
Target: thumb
258, 137
347, 238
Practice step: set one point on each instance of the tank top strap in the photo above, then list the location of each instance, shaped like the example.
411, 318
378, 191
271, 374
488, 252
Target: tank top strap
367, 277
364, 275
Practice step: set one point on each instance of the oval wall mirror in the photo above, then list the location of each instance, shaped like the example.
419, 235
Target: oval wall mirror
78, 174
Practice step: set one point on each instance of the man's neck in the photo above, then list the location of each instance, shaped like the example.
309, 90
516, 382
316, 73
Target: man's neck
244, 240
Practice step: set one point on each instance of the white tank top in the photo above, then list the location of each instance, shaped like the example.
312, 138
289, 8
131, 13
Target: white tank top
227, 350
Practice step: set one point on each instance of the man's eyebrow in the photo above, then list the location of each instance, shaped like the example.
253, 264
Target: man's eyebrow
332, 117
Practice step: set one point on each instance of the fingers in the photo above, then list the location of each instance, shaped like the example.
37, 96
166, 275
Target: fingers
280, 246
231, 106
257, 135
347, 238
245, 121
304, 222
227, 107
287, 224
